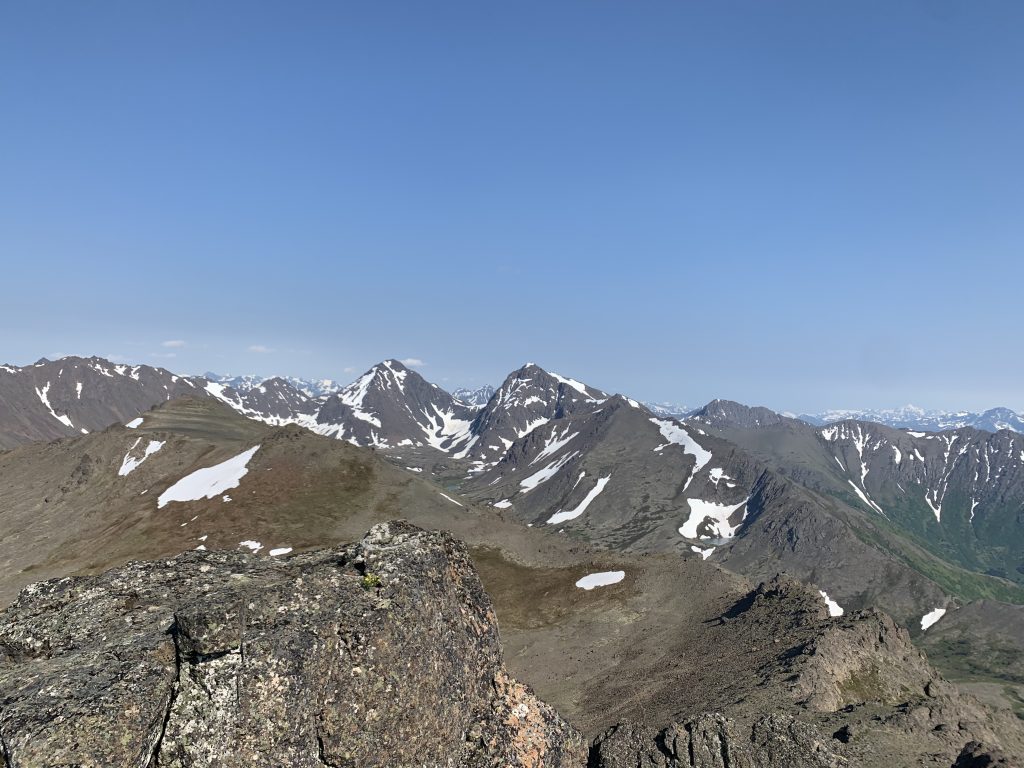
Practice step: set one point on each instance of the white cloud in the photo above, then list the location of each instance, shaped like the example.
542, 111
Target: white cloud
163, 354
173, 344
260, 348
350, 369
412, 362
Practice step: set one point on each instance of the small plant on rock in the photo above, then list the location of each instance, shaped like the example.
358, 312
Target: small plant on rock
369, 581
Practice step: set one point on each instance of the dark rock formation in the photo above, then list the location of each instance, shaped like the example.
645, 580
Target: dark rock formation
383, 653
714, 741
977, 755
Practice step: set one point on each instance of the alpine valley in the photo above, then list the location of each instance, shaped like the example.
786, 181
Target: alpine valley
724, 586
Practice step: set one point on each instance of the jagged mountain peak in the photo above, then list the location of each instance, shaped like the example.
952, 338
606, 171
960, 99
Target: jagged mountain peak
531, 372
387, 374
391, 405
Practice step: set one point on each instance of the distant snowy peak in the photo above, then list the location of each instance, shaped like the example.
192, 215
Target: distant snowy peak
919, 419
237, 383
314, 387
478, 397
310, 387
669, 410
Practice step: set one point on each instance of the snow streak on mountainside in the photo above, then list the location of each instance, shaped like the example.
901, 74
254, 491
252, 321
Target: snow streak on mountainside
964, 477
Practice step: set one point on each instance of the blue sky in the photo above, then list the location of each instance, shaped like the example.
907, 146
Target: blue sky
797, 204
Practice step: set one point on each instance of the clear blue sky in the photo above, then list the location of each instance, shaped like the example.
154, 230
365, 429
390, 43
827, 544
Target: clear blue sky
797, 204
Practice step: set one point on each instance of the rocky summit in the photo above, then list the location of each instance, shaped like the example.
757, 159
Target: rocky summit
386, 653
382, 653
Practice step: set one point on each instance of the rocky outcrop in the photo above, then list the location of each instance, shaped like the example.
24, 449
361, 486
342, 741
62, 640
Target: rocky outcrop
714, 741
977, 755
863, 657
382, 653
386, 653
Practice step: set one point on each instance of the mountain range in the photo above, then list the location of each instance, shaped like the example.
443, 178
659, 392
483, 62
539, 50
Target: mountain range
919, 419
928, 526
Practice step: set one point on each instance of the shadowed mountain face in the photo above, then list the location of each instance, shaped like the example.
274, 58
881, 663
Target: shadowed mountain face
74, 395
957, 494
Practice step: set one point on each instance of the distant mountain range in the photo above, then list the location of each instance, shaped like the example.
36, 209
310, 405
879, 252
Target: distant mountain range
308, 387
921, 420
908, 417
478, 396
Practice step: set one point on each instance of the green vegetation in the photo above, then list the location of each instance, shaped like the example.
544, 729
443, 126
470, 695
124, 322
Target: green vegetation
977, 659
863, 687
953, 579
369, 581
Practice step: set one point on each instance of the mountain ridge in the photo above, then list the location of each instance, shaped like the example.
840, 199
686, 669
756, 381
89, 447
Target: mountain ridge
745, 487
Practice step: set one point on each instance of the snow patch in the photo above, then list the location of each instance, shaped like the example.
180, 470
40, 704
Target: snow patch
719, 513
209, 481
865, 499
129, 464
718, 474
135, 423
280, 551
547, 473
931, 617
834, 609
676, 435
46, 401
578, 386
554, 444
532, 425
602, 579
704, 552
572, 514
453, 501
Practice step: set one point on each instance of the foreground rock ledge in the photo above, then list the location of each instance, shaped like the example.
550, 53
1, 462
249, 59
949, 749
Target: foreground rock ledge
382, 653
